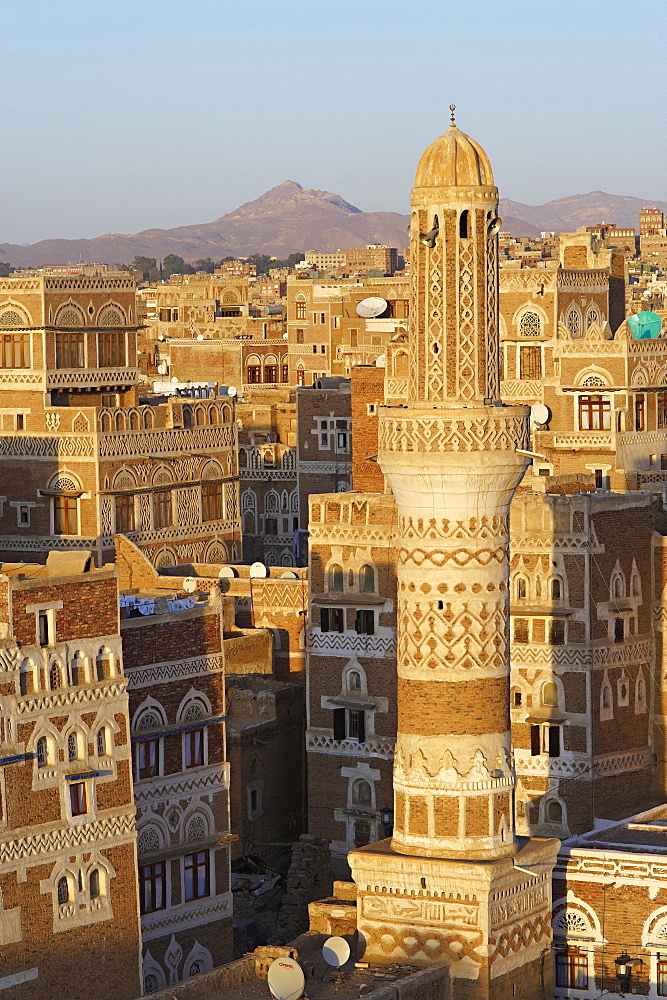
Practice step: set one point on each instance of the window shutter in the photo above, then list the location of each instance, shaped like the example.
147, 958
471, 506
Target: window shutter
535, 740
554, 741
324, 619
339, 723
362, 727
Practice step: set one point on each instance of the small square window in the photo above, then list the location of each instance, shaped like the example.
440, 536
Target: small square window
20, 422
78, 798
24, 516
371, 408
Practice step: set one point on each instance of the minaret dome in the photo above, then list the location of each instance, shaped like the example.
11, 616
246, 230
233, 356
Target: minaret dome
454, 160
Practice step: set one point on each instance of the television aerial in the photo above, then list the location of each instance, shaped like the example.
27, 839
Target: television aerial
539, 414
286, 979
372, 307
335, 952
645, 325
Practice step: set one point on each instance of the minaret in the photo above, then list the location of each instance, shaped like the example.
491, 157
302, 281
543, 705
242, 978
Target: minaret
452, 458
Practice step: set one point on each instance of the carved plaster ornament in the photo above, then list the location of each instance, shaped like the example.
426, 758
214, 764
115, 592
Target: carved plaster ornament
479, 771
448, 773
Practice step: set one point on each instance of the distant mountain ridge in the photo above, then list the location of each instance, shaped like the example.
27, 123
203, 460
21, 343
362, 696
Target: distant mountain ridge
289, 217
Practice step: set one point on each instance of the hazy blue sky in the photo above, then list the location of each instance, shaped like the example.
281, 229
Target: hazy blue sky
120, 115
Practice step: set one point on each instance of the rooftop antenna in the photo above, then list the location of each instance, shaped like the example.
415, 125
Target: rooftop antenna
335, 952
452, 108
286, 979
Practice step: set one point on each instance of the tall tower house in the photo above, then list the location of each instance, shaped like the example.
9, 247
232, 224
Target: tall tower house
447, 886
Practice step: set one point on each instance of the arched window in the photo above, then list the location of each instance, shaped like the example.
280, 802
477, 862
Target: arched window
72, 747
95, 884
554, 811
187, 416
63, 890
530, 325
367, 579
521, 588
635, 585
556, 589
42, 752
103, 664
617, 588
593, 316
641, 690
77, 669
196, 968
336, 578
464, 224
573, 322
102, 741
606, 696
55, 677
151, 984
362, 793
550, 694
538, 586
354, 680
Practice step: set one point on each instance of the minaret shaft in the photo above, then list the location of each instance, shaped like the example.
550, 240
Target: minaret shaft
453, 472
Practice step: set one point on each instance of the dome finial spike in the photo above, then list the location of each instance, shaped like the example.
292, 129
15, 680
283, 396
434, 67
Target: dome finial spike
452, 108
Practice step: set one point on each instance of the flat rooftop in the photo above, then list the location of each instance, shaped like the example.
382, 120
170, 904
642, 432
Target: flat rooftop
644, 833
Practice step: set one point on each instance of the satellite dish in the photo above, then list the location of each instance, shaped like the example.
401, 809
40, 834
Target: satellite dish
288, 575
174, 379
335, 951
226, 573
231, 391
645, 325
200, 336
539, 413
258, 571
371, 307
381, 361
160, 336
286, 979
189, 585
162, 368
493, 227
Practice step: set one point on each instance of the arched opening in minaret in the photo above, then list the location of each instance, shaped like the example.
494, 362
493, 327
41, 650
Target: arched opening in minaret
463, 224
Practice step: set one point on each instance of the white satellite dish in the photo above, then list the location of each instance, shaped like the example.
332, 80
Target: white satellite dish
200, 336
539, 413
288, 575
335, 951
226, 573
286, 979
258, 571
160, 336
231, 391
189, 585
371, 307
381, 361
174, 378
162, 368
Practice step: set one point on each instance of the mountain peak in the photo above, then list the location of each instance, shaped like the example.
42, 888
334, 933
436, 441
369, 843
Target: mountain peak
291, 198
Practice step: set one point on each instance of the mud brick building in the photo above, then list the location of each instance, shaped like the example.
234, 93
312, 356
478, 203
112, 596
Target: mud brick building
174, 662
68, 888
584, 679
265, 745
326, 334
351, 650
610, 901
81, 458
268, 474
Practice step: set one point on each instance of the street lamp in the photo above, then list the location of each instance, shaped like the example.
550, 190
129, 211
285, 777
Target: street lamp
624, 970
387, 819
